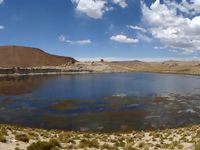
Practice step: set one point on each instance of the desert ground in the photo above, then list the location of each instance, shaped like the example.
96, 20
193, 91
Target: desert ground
18, 138
171, 66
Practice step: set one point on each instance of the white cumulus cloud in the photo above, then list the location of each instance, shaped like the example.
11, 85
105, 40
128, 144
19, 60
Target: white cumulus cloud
92, 8
121, 3
190, 7
97, 8
1, 1
168, 23
62, 38
123, 39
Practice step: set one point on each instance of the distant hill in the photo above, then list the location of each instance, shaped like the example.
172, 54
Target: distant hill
19, 56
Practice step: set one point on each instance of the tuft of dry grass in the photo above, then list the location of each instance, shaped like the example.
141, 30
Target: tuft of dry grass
197, 145
178, 138
3, 134
53, 144
22, 138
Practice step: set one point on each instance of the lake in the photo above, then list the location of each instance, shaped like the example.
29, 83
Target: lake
101, 102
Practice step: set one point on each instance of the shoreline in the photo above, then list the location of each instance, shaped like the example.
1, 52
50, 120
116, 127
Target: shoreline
93, 72
168, 67
12, 137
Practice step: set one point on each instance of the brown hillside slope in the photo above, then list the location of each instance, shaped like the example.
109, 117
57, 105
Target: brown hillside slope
18, 56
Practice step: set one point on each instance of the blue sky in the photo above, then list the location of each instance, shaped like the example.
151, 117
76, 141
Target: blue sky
110, 29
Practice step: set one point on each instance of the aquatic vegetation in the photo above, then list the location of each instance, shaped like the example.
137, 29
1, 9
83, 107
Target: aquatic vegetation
159, 99
65, 105
81, 117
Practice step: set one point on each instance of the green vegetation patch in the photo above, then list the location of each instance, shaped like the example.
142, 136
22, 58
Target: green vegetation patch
43, 145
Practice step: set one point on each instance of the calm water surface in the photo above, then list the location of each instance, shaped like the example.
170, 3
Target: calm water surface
101, 102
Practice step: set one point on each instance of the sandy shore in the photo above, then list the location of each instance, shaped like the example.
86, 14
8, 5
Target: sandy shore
13, 138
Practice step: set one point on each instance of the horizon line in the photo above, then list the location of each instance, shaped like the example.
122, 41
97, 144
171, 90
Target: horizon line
134, 59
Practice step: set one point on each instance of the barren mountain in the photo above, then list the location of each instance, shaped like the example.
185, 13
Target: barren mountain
18, 56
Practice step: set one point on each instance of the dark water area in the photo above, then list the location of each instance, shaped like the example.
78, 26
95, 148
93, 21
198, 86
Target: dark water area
101, 102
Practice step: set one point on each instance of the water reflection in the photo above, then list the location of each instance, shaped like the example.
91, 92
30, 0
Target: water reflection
12, 86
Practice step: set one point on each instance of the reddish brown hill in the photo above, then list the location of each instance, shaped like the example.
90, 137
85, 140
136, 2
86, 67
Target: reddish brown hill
18, 56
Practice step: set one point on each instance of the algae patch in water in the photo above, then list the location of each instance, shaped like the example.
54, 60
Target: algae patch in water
64, 105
